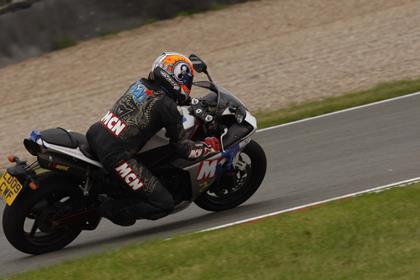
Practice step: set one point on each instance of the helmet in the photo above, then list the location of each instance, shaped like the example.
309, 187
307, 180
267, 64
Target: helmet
174, 73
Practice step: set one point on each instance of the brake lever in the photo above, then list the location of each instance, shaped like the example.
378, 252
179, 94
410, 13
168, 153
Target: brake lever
225, 131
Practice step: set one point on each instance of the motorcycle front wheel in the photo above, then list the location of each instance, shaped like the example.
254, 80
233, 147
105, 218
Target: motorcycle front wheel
231, 192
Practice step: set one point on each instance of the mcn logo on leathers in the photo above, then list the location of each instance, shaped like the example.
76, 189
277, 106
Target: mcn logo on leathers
127, 174
113, 123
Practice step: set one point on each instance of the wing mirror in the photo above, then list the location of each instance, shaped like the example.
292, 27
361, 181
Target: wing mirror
198, 64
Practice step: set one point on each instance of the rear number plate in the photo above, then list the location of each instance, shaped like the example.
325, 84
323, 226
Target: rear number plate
10, 187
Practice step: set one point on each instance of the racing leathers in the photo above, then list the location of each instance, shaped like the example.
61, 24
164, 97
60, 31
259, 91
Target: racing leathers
140, 113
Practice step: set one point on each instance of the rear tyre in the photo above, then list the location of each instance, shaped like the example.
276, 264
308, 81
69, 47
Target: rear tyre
29, 223
249, 174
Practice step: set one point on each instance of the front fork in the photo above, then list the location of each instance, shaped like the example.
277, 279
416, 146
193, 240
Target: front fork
226, 176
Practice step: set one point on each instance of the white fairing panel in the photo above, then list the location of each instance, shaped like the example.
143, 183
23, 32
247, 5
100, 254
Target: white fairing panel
248, 118
227, 112
251, 120
76, 153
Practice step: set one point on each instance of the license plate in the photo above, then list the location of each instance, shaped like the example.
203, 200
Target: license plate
10, 187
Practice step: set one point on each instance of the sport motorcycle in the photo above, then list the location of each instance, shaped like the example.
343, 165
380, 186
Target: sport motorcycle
50, 201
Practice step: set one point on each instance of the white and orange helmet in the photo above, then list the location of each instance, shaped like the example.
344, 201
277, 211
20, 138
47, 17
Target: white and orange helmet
174, 72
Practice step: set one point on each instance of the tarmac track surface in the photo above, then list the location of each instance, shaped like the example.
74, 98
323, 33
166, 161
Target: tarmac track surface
308, 161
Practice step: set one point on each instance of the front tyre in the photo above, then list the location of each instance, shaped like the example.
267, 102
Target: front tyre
29, 223
249, 174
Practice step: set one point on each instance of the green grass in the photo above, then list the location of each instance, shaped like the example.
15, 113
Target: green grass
188, 13
374, 236
63, 43
150, 21
215, 6
108, 34
314, 108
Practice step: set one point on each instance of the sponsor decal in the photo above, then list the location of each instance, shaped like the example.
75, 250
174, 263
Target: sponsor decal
126, 173
182, 72
207, 169
195, 153
170, 80
139, 92
114, 124
200, 150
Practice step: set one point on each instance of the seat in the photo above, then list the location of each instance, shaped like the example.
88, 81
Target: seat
62, 137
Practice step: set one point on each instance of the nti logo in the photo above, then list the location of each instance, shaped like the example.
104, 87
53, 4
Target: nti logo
207, 169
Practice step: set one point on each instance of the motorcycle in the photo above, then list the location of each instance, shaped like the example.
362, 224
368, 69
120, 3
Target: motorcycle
50, 201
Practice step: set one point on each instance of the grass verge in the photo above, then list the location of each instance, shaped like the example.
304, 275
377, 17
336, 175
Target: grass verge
327, 105
214, 6
63, 43
374, 236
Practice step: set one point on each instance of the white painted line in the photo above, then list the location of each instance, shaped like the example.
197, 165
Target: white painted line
376, 189
339, 112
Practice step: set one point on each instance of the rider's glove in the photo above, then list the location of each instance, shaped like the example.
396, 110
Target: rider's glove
213, 144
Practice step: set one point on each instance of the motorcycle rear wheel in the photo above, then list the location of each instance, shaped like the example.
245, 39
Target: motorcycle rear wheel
39, 208
254, 163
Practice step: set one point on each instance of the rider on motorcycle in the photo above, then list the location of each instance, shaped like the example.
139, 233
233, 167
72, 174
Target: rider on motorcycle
146, 107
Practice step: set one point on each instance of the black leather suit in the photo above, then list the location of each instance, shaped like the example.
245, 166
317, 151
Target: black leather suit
140, 113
